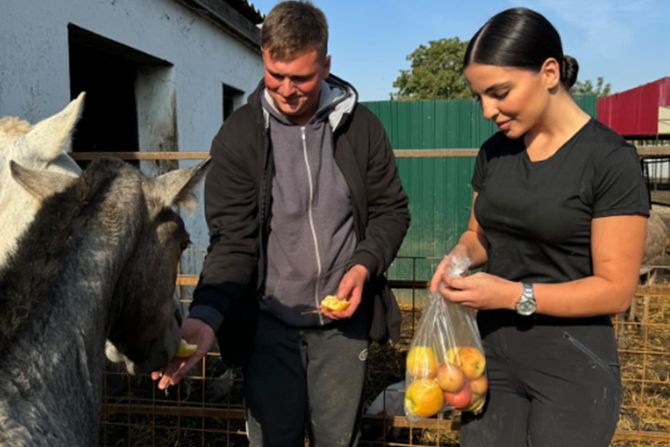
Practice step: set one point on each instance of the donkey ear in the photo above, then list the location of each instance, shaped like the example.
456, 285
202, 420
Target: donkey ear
52, 136
40, 183
176, 187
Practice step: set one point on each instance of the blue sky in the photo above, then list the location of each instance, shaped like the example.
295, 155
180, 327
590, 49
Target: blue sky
625, 41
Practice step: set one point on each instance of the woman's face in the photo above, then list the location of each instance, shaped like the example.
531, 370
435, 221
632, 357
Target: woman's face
516, 99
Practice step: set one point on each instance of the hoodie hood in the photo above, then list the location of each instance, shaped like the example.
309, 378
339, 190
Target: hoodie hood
337, 101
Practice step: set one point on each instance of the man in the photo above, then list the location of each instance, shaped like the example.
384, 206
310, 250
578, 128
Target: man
303, 200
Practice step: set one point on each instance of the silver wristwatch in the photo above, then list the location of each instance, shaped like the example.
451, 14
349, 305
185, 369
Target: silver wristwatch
526, 305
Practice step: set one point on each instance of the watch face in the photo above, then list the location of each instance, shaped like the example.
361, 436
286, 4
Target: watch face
525, 308
526, 304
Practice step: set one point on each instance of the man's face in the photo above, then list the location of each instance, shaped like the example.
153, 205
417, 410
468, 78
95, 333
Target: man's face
295, 85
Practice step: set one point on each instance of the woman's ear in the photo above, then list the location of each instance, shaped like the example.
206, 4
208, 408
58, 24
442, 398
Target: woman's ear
551, 73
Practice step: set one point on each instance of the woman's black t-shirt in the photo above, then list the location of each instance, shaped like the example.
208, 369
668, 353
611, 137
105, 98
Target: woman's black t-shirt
537, 216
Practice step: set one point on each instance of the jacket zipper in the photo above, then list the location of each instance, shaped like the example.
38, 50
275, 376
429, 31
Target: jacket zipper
310, 217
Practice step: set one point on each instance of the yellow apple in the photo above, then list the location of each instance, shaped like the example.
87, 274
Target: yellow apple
450, 377
477, 404
333, 303
186, 349
452, 356
472, 361
424, 398
421, 362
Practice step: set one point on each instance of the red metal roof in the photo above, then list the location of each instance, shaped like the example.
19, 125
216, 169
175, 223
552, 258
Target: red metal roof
635, 112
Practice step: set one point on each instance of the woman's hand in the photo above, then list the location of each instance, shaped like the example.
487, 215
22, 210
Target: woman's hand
481, 291
457, 257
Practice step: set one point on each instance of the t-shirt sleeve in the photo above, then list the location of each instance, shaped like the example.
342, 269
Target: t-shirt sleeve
619, 187
478, 176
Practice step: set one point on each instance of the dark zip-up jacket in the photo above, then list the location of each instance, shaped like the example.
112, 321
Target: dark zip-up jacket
237, 208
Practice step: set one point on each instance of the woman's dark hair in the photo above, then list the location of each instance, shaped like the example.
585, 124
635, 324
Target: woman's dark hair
522, 38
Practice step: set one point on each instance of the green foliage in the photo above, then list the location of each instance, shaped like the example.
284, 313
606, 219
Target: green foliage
600, 89
436, 72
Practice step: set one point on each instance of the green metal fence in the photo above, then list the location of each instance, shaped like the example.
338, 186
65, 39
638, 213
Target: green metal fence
438, 186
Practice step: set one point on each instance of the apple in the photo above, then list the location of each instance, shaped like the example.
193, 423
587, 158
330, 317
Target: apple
471, 360
479, 385
450, 377
334, 304
459, 399
452, 355
186, 349
424, 398
421, 362
477, 404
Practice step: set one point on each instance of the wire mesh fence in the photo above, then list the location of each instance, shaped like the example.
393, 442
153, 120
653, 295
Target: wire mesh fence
206, 409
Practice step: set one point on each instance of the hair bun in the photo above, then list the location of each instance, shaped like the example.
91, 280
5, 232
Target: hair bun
569, 71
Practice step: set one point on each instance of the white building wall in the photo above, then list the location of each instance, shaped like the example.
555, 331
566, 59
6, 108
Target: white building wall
34, 66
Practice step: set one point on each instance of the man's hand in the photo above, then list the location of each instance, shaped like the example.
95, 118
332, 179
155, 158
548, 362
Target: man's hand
350, 289
193, 331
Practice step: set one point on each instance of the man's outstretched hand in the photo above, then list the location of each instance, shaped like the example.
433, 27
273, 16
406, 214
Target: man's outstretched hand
193, 331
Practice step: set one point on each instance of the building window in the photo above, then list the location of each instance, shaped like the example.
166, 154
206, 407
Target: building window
232, 99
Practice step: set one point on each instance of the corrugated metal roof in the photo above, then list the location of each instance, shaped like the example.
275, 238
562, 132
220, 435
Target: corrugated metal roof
237, 16
635, 112
247, 9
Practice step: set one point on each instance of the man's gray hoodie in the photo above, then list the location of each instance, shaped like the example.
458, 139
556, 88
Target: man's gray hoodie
312, 235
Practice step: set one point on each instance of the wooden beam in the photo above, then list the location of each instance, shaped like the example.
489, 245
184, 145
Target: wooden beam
643, 151
86, 156
653, 151
434, 153
192, 280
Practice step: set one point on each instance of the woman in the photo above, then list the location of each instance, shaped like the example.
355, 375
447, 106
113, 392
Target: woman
558, 224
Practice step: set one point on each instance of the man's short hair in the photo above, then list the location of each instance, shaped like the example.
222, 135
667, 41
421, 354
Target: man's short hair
294, 27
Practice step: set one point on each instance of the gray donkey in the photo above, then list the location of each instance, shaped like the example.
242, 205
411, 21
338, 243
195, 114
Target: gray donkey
99, 261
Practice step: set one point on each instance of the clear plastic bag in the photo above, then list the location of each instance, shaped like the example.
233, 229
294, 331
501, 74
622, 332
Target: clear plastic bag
445, 367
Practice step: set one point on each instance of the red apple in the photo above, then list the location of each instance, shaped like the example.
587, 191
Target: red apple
450, 377
460, 399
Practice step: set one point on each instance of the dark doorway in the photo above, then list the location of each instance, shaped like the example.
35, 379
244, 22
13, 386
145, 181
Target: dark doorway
109, 121
107, 71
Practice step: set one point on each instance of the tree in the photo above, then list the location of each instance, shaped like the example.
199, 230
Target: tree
587, 88
436, 72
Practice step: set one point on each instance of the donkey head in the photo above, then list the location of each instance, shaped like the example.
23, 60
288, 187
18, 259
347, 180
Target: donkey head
41, 146
149, 278
139, 237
